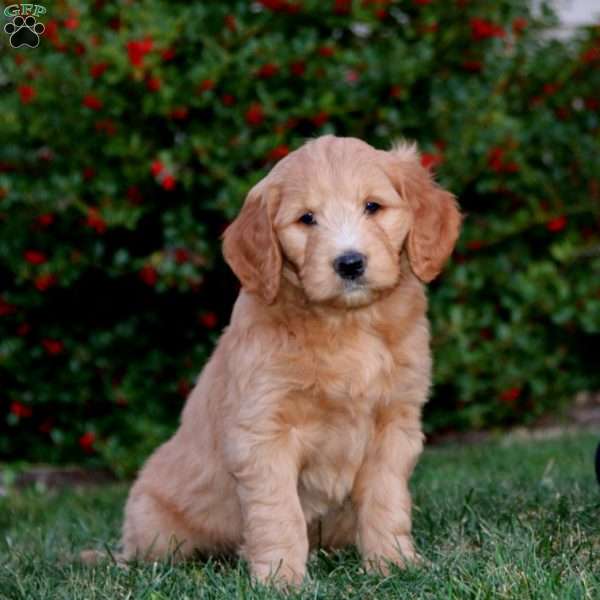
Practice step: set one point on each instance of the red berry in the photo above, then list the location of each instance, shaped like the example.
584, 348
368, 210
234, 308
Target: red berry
395, 91
180, 113
320, 118
46, 426
95, 221
352, 76
20, 410
557, 224
137, 49
183, 387
475, 245
209, 320
230, 22
43, 282
6, 308
168, 182
52, 347
134, 195
71, 23
92, 102
153, 84
23, 329
106, 126
482, 29
45, 220
181, 256
255, 114
97, 70
156, 168
510, 395
27, 93
519, 24
473, 66
148, 275
496, 159
342, 7
89, 173
278, 152
228, 99
86, 441
326, 51
168, 54
591, 55
430, 161
35, 257
592, 103
206, 85
297, 68
268, 70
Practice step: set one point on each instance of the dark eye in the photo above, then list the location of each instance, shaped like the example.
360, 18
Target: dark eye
372, 207
308, 219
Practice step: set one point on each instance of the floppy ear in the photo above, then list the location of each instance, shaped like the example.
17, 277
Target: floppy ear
250, 246
436, 217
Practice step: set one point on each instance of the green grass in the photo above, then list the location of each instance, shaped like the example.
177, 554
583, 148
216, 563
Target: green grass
500, 520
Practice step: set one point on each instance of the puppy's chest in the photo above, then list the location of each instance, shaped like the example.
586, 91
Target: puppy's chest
333, 450
340, 383
343, 384
358, 368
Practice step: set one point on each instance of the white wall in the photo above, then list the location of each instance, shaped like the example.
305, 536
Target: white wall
578, 12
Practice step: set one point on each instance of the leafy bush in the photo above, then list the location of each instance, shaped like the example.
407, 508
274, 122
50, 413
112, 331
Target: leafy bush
132, 133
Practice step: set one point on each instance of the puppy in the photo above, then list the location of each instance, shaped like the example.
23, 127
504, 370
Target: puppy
305, 424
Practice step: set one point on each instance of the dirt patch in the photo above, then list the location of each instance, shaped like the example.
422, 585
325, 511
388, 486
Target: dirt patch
49, 477
583, 415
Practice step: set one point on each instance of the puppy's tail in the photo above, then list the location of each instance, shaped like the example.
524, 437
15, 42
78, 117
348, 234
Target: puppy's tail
96, 557
92, 557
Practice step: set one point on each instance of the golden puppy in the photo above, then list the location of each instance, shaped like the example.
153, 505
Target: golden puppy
305, 425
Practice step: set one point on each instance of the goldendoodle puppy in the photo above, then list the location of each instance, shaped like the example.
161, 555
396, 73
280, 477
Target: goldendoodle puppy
305, 425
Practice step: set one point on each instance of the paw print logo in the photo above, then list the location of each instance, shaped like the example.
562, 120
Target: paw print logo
24, 31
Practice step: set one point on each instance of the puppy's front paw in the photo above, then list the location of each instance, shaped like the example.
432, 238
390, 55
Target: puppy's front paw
402, 555
280, 574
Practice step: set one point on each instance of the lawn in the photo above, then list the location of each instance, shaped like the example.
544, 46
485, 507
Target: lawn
509, 519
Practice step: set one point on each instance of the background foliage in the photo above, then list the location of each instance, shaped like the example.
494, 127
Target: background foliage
132, 133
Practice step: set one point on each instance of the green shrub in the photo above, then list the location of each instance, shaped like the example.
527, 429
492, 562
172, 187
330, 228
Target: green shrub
132, 133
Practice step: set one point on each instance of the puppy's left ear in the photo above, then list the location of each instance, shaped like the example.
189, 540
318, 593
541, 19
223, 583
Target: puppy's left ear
436, 217
250, 245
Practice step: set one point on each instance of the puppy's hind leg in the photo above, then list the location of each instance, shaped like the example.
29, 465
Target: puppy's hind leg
155, 529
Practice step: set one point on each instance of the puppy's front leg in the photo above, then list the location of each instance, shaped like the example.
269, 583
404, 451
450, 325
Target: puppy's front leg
275, 532
382, 497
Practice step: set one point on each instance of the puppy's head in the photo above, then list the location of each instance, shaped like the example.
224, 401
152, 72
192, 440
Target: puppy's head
334, 217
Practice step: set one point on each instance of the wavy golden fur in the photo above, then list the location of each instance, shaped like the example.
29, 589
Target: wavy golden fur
305, 424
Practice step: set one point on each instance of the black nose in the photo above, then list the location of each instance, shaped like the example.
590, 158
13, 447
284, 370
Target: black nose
350, 265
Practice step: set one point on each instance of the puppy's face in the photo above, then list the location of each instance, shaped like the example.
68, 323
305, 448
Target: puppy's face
334, 217
341, 223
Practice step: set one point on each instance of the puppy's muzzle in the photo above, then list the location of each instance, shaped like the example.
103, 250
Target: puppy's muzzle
350, 265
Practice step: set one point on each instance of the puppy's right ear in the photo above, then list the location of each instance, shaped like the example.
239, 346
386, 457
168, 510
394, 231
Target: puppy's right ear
436, 217
250, 245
